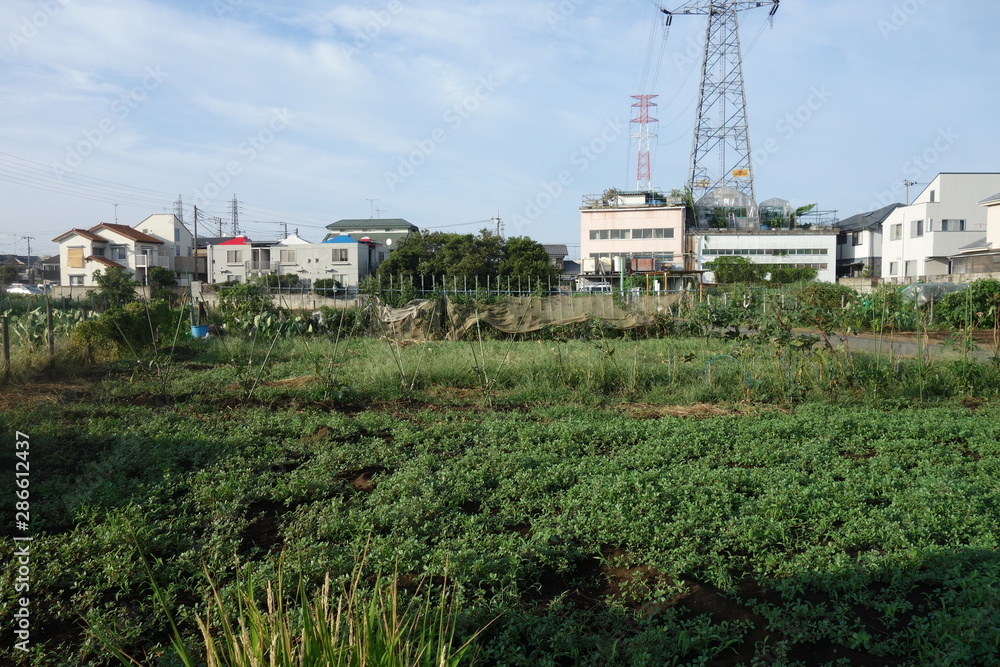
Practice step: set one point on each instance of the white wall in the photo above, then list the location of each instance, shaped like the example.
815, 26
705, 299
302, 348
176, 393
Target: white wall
758, 247
947, 197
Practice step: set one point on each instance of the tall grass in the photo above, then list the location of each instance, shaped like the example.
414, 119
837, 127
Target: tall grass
352, 627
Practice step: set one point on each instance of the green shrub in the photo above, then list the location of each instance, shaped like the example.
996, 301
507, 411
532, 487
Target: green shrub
977, 307
135, 327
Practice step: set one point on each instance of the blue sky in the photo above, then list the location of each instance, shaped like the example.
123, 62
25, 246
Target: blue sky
446, 114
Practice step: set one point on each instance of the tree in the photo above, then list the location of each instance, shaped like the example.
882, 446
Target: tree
116, 285
159, 280
8, 274
526, 259
465, 257
731, 269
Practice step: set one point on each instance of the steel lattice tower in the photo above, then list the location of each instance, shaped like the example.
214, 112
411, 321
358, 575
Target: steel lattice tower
720, 156
644, 173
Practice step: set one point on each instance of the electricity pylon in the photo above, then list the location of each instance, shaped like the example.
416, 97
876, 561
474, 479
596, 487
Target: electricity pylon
720, 155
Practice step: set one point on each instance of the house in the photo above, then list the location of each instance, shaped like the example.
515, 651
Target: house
82, 252
982, 256
919, 240
177, 251
388, 232
630, 231
557, 254
859, 243
159, 241
813, 248
340, 258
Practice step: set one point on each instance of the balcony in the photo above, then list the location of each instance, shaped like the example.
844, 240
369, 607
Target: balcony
261, 267
150, 261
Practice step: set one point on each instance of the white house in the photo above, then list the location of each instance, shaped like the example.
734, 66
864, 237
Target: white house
340, 258
859, 243
177, 251
919, 239
160, 240
813, 248
82, 252
983, 255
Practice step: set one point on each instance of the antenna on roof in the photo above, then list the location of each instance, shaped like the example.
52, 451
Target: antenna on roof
116, 213
371, 202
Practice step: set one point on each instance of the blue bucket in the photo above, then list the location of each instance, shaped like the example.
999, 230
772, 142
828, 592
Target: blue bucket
199, 332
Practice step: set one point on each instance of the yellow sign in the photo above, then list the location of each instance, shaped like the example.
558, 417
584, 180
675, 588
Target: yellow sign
741, 173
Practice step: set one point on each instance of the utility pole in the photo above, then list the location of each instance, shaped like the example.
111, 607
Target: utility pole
31, 271
499, 223
285, 225
194, 250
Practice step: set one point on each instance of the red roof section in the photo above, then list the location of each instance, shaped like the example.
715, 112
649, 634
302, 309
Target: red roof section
82, 232
239, 240
128, 233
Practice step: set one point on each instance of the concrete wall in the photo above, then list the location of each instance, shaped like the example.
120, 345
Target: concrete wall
622, 218
758, 247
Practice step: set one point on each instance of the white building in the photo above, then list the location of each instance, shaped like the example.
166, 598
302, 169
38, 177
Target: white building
859, 243
919, 239
159, 241
814, 248
341, 258
983, 255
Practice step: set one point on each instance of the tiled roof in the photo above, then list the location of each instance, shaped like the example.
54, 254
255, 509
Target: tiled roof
866, 220
127, 232
81, 232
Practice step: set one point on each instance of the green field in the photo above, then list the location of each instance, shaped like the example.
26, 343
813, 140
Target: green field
592, 502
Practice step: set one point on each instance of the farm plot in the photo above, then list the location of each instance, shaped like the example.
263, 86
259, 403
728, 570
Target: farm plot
575, 532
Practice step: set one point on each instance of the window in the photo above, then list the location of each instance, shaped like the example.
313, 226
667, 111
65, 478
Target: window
76, 280
98, 252
234, 256
340, 254
893, 268
953, 225
896, 232
620, 234
119, 252
841, 239
856, 238
911, 267
177, 235
177, 251
916, 229
933, 196
664, 233
286, 256
642, 233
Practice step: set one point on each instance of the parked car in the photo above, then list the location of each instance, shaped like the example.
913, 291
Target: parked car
18, 288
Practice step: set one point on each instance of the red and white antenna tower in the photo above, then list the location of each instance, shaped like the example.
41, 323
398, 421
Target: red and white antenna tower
644, 174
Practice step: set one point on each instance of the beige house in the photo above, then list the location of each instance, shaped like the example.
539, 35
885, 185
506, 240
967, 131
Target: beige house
630, 231
82, 252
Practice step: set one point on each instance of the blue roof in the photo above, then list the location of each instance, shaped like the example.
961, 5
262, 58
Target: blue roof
340, 238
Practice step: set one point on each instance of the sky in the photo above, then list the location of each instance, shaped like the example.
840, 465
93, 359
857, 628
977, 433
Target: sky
448, 114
